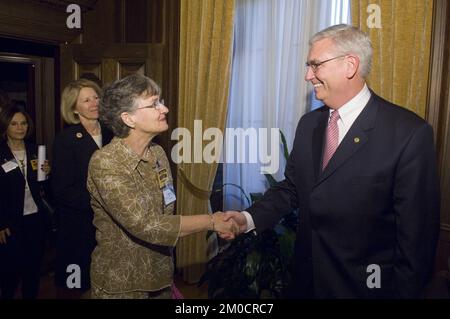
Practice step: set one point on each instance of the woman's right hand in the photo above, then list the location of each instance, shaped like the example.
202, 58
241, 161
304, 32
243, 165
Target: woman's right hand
3, 234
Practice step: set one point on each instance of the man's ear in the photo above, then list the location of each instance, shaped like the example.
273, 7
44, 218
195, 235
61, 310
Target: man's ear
352, 65
128, 119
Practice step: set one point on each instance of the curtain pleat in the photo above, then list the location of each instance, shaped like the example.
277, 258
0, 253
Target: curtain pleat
206, 30
400, 70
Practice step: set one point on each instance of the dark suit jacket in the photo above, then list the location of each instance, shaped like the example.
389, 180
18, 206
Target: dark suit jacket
72, 150
377, 202
12, 187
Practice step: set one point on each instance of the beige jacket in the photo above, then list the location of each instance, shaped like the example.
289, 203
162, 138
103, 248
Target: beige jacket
135, 231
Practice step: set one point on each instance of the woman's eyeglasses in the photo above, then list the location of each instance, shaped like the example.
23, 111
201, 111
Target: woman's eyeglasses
157, 105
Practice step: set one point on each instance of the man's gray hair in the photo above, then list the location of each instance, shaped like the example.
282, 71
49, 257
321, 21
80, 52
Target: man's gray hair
349, 40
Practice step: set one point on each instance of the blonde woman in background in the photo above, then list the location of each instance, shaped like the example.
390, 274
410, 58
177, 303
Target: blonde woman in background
72, 150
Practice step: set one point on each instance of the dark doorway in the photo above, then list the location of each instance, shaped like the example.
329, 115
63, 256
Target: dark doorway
29, 73
17, 80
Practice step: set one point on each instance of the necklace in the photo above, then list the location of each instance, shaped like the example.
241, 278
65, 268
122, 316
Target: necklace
21, 161
147, 152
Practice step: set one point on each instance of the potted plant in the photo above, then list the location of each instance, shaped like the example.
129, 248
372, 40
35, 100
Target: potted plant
254, 266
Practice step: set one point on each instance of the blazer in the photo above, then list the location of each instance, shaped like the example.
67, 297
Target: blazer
12, 185
376, 203
72, 150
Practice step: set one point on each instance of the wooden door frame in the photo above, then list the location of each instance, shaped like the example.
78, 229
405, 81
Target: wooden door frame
438, 113
44, 95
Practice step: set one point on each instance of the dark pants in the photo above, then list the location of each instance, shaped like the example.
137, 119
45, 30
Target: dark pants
76, 241
21, 256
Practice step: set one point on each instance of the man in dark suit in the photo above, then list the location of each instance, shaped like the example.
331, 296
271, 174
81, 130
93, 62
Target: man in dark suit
362, 173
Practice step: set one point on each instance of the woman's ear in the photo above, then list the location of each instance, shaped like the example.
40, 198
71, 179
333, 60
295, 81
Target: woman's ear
128, 119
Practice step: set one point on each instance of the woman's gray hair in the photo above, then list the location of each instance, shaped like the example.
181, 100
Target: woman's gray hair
349, 39
120, 97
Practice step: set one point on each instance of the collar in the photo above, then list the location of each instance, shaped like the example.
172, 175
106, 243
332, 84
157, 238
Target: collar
350, 110
130, 159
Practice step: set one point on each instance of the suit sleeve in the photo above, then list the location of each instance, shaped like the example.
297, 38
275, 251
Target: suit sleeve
416, 204
280, 199
66, 191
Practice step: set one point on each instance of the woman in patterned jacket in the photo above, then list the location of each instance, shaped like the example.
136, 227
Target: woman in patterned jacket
133, 198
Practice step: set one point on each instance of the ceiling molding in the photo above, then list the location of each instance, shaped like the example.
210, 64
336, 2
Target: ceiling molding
85, 5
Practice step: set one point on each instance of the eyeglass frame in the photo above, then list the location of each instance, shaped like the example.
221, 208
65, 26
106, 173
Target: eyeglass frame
315, 65
156, 105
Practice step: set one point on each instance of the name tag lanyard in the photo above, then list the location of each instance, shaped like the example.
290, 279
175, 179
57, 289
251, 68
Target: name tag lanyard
22, 166
165, 185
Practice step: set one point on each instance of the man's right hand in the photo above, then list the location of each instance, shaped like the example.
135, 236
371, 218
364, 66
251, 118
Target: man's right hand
3, 234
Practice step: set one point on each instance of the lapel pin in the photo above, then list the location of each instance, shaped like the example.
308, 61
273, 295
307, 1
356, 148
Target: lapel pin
356, 139
79, 135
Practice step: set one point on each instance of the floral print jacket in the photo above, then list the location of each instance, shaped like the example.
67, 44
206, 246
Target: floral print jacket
135, 230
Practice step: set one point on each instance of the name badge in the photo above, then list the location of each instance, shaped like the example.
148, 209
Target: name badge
9, 166
34, 164
169, 194
162, 177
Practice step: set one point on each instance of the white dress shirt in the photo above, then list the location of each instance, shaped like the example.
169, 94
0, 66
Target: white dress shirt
350, 111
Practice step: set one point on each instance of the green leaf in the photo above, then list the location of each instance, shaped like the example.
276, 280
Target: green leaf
255, 266
285, 148
272, 181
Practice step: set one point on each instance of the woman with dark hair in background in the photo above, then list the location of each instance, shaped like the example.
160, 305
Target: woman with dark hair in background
22, 220
72, 151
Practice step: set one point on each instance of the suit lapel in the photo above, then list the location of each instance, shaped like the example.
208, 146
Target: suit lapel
7, 155
85, 138
31, 155
355, 139
318, 141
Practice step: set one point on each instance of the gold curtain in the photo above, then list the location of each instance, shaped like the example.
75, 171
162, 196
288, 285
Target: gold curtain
402, 45
206, 37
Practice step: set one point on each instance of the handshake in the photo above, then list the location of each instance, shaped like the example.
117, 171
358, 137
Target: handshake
229, 224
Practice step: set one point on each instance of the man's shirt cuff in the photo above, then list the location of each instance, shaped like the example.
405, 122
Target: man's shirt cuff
250, 223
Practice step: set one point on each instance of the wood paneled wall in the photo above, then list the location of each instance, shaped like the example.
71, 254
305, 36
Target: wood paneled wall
121, 37
33, 20
117, 37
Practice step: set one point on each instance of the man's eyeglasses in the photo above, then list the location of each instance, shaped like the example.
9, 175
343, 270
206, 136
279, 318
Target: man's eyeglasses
315, 65
157, 105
